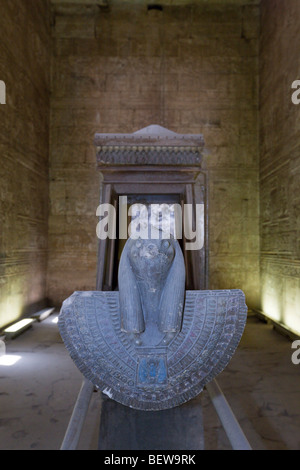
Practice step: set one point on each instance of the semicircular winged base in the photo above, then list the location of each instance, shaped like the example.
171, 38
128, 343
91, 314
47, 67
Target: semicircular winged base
148, 378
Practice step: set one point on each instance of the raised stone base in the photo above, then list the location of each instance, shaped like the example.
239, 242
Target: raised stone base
123, 428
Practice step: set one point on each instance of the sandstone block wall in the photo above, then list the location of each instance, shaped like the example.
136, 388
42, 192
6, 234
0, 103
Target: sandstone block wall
280, 163
188, 68
24, 142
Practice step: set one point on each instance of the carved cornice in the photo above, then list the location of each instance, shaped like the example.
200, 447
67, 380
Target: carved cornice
153, 145
148, 156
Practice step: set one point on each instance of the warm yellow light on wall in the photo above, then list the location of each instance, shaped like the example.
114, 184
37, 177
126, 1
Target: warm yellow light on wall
281, 302
271, 306
10, 309
292, 321
291, 304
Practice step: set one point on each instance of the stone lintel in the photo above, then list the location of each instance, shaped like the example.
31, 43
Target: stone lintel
152, 145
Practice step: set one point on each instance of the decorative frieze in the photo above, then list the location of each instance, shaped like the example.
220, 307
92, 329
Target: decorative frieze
153, 145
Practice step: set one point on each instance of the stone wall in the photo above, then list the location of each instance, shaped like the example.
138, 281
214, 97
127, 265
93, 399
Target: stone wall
24, 136
280, 164
189, 68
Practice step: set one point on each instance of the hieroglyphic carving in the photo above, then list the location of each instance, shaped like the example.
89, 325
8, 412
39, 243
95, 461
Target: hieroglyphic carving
150, 367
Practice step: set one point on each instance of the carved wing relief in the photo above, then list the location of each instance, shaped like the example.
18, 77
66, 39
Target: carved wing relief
140, 375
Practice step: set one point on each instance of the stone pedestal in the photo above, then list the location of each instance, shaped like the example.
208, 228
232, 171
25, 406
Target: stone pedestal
123, 428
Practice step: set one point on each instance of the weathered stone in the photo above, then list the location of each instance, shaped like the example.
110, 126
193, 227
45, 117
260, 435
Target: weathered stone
24, 135
141, 346
167, 70
151, 286
280, 169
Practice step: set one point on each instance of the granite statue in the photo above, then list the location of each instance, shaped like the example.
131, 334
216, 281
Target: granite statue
151, 345
152, 288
